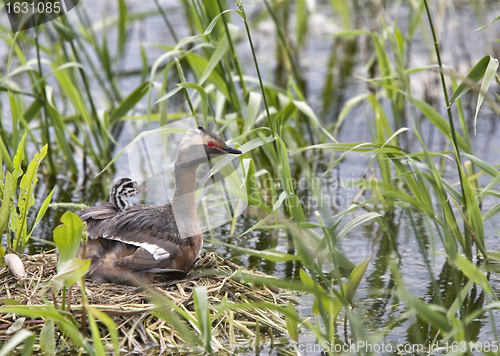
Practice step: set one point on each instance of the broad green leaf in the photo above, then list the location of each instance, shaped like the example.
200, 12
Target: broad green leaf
260, 224
362, 147
306, 110
68, 237
69, 272
26, 198
47, 338
489, 187
250, 178
342, 261
304, 277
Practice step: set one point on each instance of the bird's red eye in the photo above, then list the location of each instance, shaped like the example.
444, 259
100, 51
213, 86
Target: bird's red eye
211, 144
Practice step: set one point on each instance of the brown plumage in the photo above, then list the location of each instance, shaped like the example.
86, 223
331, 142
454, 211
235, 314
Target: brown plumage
144, 240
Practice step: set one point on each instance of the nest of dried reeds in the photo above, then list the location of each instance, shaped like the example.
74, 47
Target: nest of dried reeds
133, 311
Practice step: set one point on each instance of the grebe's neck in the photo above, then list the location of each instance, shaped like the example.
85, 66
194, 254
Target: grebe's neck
185, 187
184, 199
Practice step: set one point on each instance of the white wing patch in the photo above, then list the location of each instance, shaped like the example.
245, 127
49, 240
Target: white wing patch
157, 252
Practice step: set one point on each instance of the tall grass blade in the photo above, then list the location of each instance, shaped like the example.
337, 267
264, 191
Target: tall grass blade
474, 273
6, 203
40, 214
291, 323
265, 254
203, 316
68, 325
474, 76
96, 336
21, 336
122, 29
355, 279
128, 103
359, 220
489, 74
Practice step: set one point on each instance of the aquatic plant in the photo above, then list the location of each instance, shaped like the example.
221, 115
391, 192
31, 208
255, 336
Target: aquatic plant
17, 192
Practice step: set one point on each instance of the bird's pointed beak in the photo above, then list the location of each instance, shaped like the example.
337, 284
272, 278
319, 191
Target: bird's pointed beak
144, 189
231, 150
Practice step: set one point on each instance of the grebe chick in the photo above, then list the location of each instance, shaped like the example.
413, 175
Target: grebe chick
140, 241
122, 189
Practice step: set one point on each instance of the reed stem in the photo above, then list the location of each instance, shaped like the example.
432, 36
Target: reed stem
452, 128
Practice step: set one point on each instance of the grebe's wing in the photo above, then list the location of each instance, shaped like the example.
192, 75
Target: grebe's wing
153, 230
97, 217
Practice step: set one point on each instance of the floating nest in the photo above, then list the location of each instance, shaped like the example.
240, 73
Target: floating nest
133, 310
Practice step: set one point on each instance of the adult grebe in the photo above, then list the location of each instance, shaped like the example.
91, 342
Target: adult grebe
144, 239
